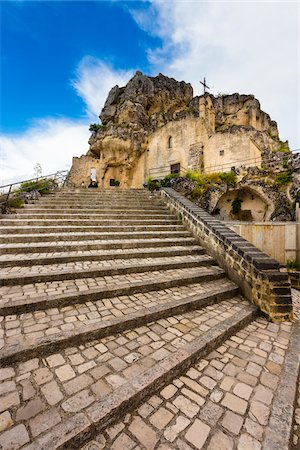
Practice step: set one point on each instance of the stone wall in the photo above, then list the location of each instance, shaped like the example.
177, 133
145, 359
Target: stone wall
279, 240
255, 273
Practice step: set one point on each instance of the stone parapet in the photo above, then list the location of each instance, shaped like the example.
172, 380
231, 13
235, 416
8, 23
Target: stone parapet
257, 275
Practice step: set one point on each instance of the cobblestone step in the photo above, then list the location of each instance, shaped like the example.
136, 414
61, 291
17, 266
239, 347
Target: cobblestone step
236, 397
91, 236
39, 296
84, 207
69, 271
67, 246
102, 318
94, 216
99, 228
67, 396
94, 255
90, 222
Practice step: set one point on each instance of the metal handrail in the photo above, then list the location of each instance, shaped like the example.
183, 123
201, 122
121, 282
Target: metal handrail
58, 177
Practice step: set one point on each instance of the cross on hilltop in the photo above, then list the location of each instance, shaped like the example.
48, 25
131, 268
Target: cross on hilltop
204, 85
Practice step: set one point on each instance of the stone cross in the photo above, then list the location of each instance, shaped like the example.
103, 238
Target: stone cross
204, 85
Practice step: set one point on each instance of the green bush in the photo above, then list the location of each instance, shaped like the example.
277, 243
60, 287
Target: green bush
284, 178
153, 185
15, 202
166, 180
292, 264
229, 177
195, 176
44, 186
94, 127
197, 192
236, 206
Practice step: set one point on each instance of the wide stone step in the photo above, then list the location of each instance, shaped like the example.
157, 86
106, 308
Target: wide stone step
39, 296
70, 207
236, 397
94, 216
79, 246
100, 228
83, 388
82, 323
100, 255
92, 222
90, 236
75, 270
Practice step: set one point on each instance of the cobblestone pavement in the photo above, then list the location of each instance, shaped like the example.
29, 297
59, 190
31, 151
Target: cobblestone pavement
33, 325
221, 403
39, 393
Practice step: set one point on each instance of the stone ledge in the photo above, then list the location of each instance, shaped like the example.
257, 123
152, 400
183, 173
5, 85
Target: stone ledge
256, 273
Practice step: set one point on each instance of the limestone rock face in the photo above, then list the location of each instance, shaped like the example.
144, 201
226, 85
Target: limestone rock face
144, 96
242, 110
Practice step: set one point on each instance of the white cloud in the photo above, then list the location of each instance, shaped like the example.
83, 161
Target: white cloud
50, 142
94, 79
53, 142
245, 47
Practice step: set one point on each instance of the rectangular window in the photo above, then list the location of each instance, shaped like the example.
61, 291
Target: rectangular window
221, 152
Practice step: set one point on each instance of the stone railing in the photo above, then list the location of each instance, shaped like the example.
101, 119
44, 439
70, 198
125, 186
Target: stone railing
257, 275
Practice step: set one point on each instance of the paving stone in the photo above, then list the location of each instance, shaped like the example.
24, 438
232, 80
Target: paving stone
169, 391
173, 431
42, 375
198, 433
78, 401
161, 418
5, 421
189, 408
242, 390
55, 360
145, 435
9, 400
65, 372
44, 421
14, 438
52, 393
247, 442
31, 409
234, 403
123, 442
220, 441
260, 412
232, 422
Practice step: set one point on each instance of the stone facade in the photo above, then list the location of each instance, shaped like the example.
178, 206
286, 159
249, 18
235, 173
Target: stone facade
154, 125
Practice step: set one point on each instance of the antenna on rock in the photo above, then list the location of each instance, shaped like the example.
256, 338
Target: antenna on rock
204, 85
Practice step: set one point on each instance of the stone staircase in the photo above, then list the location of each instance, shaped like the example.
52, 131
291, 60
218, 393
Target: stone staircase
118, 331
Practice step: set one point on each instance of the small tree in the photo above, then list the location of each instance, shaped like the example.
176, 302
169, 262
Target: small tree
37, 170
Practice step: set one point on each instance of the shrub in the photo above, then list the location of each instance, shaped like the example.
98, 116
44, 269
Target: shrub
166, 180
195, 176
44, 186
94, 127
197, 192
229, 177
292, 264
284, 178
15, 203
153, 185
236, 206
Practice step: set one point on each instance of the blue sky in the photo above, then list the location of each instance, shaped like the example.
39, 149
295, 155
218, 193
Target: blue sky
60, 58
